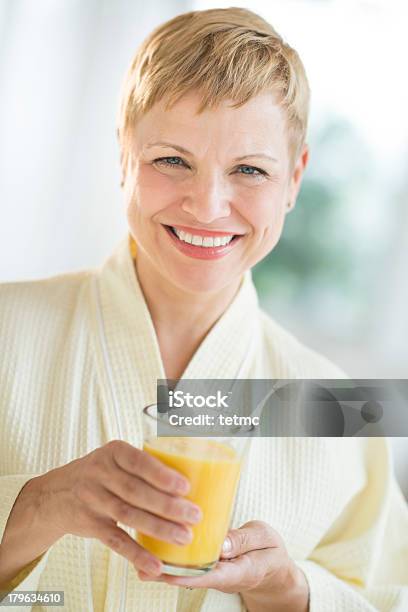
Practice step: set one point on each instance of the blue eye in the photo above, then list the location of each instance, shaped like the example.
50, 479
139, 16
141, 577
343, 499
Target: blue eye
258, 171
166, 161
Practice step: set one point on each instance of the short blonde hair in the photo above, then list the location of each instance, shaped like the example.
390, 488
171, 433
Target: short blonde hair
221, 53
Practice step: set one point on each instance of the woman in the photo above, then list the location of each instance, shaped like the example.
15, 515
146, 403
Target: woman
212, 133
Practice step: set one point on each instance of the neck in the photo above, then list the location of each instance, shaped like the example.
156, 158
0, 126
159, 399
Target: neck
181, 318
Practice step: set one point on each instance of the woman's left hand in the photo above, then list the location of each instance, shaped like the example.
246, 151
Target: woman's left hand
257, 566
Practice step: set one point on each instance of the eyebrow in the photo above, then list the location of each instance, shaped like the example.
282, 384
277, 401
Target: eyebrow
162, 143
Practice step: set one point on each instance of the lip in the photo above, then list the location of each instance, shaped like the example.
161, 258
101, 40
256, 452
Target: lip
197, 252
202, 232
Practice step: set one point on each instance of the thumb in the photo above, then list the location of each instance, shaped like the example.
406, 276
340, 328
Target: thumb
254, 535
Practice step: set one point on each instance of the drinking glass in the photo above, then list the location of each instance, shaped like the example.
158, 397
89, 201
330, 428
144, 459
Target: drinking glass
213, 467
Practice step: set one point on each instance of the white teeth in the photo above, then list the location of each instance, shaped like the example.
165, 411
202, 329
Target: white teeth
206, 241
186, 237
197, 240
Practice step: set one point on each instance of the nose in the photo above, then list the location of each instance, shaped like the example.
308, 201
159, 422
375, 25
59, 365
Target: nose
208, 200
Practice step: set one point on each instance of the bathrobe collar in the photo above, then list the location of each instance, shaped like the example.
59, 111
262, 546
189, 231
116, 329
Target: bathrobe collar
129, 346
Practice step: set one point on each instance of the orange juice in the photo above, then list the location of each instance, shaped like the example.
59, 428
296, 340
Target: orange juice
213, 471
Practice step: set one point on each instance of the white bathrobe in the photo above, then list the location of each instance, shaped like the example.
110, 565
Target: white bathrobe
79, 359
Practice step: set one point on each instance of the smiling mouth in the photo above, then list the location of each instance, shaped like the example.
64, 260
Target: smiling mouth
202, 241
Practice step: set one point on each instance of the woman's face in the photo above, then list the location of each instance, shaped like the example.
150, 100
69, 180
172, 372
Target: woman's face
221, 174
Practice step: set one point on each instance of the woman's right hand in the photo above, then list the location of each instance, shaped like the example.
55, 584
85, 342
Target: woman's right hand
118, 482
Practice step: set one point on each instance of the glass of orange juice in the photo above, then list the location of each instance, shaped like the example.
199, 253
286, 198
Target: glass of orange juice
212, 466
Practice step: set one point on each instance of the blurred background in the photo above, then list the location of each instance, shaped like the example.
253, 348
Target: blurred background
338, 277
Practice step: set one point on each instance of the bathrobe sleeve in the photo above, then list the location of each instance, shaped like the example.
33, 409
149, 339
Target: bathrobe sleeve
361, 563
28, 578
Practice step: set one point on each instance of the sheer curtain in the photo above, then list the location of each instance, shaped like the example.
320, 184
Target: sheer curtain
61, 68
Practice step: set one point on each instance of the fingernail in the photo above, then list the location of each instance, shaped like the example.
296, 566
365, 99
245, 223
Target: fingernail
182, 486
194, 515
227, 546
182, 536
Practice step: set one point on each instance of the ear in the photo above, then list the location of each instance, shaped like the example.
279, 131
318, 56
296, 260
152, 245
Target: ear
297, 175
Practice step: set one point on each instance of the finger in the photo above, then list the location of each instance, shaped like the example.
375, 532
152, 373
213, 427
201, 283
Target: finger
143, 575
254, 535
140, 463
143, 521
223, 577
140, 494
120, 542
238, 574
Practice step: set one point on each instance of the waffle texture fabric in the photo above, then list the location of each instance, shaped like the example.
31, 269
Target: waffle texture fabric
79, 360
